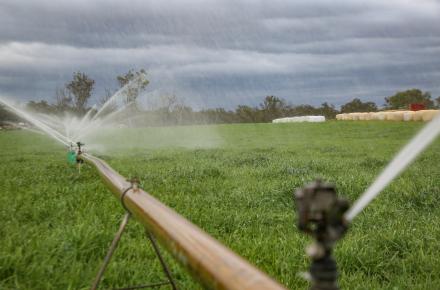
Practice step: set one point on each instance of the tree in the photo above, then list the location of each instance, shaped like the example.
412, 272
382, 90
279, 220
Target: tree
328, 111
63, 100
138, 82
437, 100
6, 115
272, 108
81, 89
302, 110
41, 107
401, 100
356, 105
246, 114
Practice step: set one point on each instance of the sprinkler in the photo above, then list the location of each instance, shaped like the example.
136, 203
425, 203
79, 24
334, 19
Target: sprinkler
320, 214
78, 145
79, 160
71, 155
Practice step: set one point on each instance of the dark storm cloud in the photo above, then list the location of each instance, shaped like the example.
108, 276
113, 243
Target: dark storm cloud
224, 52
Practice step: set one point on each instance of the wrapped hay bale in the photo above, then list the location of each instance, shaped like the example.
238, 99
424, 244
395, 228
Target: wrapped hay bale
428, 115
408, 115
339, 117
315, 119
374, 116
369, 116
395, 116
418, 115
354, 116
362, 116
387, 116
380, 116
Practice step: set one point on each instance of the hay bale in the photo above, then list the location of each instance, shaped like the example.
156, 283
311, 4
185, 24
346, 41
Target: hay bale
362, 116
354, 116
395, 116
408, 116
313, 119
381, 116
418, 115
369, 116
387, 116
374, 116
428, 115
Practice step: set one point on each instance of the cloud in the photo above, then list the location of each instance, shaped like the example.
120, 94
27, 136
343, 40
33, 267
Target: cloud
223, 53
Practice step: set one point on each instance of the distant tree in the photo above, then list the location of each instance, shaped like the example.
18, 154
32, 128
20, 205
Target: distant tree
107, 95
328, 111
63, 100
81, 89
272, 108
184, 114
401, 100
138, 81
168, 106
437, 101
7, 116
302, 110
246, 114
356, 105
41, 107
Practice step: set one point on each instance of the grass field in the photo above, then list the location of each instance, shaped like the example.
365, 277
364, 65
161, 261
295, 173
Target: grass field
237, 185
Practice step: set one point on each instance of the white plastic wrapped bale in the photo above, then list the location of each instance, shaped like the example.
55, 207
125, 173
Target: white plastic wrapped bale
315, 119
312, 119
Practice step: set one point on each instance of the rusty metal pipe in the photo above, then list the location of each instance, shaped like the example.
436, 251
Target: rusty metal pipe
211, 263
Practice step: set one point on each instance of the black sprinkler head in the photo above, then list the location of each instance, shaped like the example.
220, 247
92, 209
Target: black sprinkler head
321, 215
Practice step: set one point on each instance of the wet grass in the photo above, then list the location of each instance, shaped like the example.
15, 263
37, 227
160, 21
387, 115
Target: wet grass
56, 225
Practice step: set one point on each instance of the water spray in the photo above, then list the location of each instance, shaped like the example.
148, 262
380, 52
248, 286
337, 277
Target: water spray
320, 214
326, 217
404, 158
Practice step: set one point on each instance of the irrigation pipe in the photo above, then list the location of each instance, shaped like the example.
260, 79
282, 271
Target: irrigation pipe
210, 262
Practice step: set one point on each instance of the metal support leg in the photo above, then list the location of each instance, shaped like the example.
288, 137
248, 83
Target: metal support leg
162, 261
111, 251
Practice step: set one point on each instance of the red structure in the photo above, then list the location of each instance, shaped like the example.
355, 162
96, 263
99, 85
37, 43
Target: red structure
416, 107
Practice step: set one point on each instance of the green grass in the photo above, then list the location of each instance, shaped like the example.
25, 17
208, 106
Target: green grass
235, 182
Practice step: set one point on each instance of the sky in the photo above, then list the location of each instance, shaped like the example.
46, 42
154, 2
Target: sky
224, 53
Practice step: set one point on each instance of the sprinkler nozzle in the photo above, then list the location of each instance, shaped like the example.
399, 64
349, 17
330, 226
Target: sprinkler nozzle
321, 215
79, 160
79, 144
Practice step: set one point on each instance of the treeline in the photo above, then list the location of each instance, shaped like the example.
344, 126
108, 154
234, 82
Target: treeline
175, 113
74, 97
